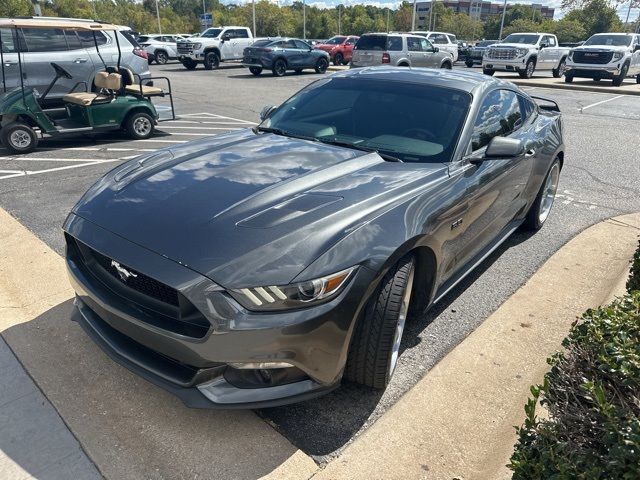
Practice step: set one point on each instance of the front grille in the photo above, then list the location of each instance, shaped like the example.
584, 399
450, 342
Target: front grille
185, 47
502, 53
137, 281
598, 58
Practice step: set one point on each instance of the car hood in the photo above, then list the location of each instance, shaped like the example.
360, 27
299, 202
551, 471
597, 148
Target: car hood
246, 208
325, 47
511, 45
600, 48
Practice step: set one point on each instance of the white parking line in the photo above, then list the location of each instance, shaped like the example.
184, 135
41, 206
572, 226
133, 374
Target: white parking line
213, 115
45, 159
164, 127
212, 123
23, 173
582, 109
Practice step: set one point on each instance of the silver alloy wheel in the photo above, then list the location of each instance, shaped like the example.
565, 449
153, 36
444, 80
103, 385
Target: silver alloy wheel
530, 67
402, 318
20, 139
161, 58
142, 126
549, 192
561, 68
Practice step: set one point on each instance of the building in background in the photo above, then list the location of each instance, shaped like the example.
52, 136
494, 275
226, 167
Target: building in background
474, 8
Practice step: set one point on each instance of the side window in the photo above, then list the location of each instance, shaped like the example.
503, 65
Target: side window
394, 44
351, 41
527, 107
72, 40
550, 40
452, 38
9, 40
413, 44
45, 39
300, 45
87, 38
241, 33
425, 45
288, 44
499, 115
438, 38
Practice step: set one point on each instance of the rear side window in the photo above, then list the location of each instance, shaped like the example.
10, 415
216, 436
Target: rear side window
87, 38
72, 40
452, 38
527, 107
9, 40
372, 42
499, 115
300, 45
240, 33
45, 39
438, 38
394, 44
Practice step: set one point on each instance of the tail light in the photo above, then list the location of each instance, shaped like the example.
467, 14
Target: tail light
141, 53
386, 58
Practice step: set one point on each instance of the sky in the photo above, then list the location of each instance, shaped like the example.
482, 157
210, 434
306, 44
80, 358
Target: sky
622, 9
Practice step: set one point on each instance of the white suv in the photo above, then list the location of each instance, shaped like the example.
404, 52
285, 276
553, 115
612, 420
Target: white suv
605, 55
446, 42
160, 48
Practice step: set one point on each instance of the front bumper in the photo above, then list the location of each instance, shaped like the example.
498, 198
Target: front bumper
592, 71
514, 65
192, 361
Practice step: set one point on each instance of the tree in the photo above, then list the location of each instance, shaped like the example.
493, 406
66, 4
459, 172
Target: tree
402, 17
597, 16
15, 8
568, 30
462, 26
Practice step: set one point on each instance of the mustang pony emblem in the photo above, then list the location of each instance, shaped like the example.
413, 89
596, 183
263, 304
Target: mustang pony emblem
123, 272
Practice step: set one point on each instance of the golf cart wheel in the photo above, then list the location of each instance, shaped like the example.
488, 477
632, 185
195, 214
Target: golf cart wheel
375, 346
322, 65
338, 59
211, 61
18, 137
189, 64
255, 70
161, 57
139, 125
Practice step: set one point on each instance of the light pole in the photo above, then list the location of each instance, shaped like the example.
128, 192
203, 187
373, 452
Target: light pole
158, 16
36, 8
628, 12
304, 20
504, 11
431, 5
388, 12
339, 19
253, 7
413, 16
204, 9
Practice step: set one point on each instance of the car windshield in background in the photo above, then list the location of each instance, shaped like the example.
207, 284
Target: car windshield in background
609, 40
411, 122
335, 41
143, 39
372, 42
519, 38
211, 33
262, 43
485, 43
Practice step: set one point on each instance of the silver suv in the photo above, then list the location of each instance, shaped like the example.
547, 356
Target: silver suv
398, 49
161, 48
73, 50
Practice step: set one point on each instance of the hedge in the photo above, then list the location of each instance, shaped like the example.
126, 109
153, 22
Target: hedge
592, 395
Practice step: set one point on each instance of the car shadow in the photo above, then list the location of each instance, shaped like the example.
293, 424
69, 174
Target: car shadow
267, 74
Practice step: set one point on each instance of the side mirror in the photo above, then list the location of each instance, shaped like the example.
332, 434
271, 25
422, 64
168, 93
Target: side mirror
267, 111
225, 37
544, 45
435, 49
503, 147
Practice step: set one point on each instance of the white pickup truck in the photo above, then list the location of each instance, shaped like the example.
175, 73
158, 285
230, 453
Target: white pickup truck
214, 45
525, 53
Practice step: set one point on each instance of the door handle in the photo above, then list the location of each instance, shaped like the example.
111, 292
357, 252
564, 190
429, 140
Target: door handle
80, 60
8, 63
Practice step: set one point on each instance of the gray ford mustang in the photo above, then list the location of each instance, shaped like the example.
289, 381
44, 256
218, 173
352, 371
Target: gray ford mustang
261, 267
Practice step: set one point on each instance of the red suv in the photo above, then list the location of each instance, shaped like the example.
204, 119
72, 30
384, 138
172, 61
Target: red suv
339, 48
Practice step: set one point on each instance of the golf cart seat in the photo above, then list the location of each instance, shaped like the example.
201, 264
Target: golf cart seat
133, 88
108, 83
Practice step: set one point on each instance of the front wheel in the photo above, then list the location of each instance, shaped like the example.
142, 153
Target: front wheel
541, 207
19, 137
617, 81
568, 78
211, 61
488, 71
528, 70
255, 70
375, 347
558, 72
321, 65
139, 125
446, 65
338, 59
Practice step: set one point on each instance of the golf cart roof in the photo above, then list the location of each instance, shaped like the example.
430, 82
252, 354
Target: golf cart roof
52, 23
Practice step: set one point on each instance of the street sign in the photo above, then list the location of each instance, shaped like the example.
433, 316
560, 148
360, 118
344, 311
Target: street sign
206, 20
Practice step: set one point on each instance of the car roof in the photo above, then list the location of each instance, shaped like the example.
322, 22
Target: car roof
614, 33
55, 23
458, 79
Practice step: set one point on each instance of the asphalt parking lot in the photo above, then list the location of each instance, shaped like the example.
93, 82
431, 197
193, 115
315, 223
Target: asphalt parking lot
599, 180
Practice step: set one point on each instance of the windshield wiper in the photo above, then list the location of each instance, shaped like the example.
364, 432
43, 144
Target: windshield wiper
283, 133
338, 143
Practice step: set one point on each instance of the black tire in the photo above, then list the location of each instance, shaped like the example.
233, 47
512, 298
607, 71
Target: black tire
338, 59
638, 78
18, 137
468, 63
211, 61
446, 65
617, 80
529, 68
568, 78
558, 72
189, 64
161, 57
255, 70
134, 125
488, 71
371, 359
279, 68
321, 65
533, 221
403, 65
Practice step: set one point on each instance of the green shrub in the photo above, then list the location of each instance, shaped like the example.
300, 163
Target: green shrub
592, 394
634, 277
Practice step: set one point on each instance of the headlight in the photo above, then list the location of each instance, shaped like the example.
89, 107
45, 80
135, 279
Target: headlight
570, 56
295, 295
522, 52
197, 46
618, 55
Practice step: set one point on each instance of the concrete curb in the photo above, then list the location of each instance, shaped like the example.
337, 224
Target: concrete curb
559, 84
457, 422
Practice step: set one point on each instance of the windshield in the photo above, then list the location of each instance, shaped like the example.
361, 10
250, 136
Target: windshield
486, 43
335, 41
609, 40
411, 122
522, 38
211, 33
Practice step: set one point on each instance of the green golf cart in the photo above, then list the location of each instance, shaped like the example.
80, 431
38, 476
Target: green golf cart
115, 101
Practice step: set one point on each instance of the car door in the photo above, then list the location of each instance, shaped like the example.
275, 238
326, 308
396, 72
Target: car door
49, 45
441, 41
545, 54
635, 56
242, 41
495, 186
10, 38
227, 44
348, 48
306, 57
169, 44
417, 56
432, 58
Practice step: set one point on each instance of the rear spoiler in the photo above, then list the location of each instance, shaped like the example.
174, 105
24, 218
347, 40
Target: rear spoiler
545, 103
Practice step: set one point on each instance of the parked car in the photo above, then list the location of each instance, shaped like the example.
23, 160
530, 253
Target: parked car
362, 199
398, 49
475, 56
339, 48
73, 50
215, 45
446, 42
525, 53
160, 48
282, 54
606, 55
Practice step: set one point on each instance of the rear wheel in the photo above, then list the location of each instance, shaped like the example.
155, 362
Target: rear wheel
211, 61
139, 125
189, 64
338, 59
321, 65
161, 57
375, 346
255, 70
446, 65
488, 71
19, 137
617, 81
541, 207
558, 72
